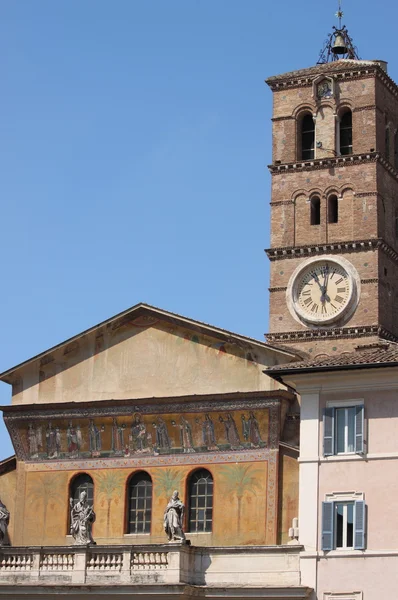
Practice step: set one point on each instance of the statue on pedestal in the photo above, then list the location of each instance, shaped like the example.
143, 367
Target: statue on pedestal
174, 519
4, 520
82, 518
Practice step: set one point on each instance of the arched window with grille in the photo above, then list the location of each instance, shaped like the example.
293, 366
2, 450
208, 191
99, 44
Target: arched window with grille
81, 483
333, 209
139, 503
346, 133
200, 496
315, 211
307, 141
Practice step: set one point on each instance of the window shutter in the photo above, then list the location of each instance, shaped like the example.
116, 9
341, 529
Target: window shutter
327, 526
359, 531
328, 431
359, 429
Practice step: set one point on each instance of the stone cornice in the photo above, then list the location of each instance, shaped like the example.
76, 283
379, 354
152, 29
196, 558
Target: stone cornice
318, 164
333, 248
309, 335
295, 80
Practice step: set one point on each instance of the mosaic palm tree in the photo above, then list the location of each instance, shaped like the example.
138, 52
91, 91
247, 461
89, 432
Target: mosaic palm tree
109, 486
168, 480
45, 490
239, 480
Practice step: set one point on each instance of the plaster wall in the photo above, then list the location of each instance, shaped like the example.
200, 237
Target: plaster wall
373, 576
239, 513
135, 361
8, 492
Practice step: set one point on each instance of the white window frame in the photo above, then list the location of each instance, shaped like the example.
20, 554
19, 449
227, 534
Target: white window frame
342, 596
345, 404
343, 498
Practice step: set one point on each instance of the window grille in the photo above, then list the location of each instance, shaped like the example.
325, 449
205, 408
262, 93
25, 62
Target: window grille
140, 503
200, 501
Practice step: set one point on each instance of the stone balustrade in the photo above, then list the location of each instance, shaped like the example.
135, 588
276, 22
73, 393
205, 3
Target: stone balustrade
168, 564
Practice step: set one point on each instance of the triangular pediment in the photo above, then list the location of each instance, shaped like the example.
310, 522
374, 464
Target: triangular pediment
145, 352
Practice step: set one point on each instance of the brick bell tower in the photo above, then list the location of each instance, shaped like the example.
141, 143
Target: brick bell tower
334, 203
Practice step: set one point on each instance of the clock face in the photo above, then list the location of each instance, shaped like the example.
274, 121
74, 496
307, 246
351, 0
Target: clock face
323, 292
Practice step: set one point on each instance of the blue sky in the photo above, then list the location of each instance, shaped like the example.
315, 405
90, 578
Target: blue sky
134, 140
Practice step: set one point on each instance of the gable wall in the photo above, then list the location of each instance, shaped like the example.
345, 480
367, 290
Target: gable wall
136, 361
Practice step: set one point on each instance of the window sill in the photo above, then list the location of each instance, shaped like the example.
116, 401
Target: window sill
135, 535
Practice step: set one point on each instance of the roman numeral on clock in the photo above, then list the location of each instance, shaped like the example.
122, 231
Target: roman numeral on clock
339, 280
308, 301
341, 290
339, 299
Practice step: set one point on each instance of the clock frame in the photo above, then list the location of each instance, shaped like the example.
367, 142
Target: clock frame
323, 291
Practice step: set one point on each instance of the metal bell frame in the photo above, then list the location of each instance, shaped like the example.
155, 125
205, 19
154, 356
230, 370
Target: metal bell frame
338, 45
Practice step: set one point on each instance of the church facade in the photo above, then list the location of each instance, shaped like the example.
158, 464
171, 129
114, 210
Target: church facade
160, 456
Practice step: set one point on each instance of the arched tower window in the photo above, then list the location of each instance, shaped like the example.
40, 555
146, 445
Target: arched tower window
200, 494
139, 503
346, 133
315, 211
333, 209
307, 142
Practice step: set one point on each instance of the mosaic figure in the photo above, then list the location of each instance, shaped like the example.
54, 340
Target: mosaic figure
231, 431
94, 433
53, 441
74, 440
82, 517
186, 436
117, 438
254, 431
208, 433
174, 518
4, 521
32, 441
140, 437
162, 435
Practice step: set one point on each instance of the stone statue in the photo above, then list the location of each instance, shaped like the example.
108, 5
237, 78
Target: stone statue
4, 520
174, 518
82, 518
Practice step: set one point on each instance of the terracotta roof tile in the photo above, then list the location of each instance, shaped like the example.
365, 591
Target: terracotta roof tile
373, 355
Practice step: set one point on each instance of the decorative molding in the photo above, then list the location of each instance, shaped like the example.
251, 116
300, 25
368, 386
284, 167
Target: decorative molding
366, 194
317, 164
282, 203
309, 335
169, 460
279, 253
362, 108
297, 81
371, 280
277, 289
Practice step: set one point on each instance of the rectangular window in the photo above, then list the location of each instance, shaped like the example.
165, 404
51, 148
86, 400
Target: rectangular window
344, 519
343, 430
343, 525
